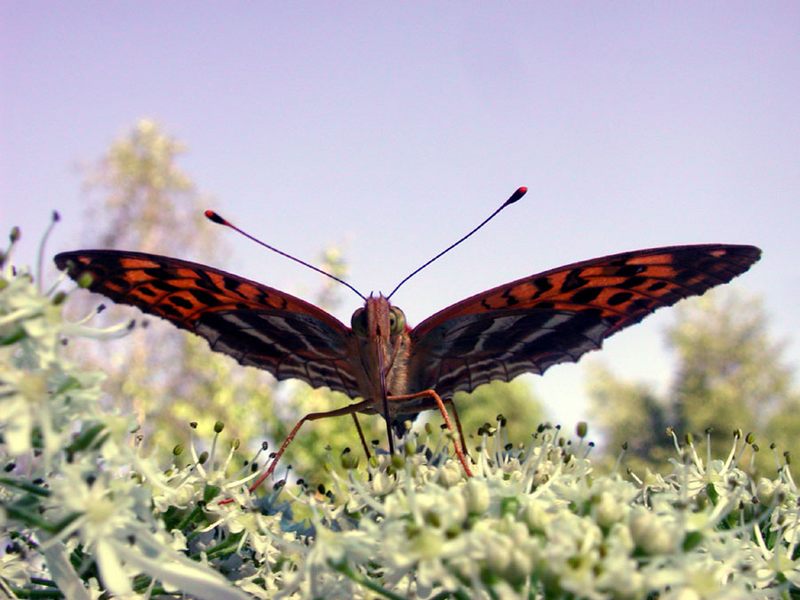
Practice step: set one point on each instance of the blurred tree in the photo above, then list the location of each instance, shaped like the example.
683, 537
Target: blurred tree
730, 374
139, 199
630, 413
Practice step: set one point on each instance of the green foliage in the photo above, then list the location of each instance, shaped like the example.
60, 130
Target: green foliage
630, 414
730, 374
730, 371
514, 400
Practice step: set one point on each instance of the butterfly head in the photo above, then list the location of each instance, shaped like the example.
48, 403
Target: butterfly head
378, 319
381, 336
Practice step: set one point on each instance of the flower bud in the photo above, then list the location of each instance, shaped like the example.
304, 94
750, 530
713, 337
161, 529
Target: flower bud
349, 460
85, 280
608, 510
652, 534
519, 567
59, 298
450, 474
765, 491
498, 557
410, 447
477, 496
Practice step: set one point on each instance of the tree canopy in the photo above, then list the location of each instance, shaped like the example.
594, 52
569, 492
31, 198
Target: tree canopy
730, 374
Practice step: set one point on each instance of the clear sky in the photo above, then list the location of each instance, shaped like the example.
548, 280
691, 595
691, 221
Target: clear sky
392, 128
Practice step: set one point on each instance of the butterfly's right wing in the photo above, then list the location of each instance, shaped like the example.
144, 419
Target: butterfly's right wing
257, 325
531, 324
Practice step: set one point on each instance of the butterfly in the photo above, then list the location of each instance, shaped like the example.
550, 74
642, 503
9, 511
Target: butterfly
390, 368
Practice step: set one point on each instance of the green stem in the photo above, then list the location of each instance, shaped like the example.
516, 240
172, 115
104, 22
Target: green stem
360, 579
227, 544
190, 518
32, 520
23, 593
25, 486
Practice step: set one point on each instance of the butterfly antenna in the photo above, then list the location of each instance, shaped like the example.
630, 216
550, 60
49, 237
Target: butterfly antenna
216, 218
519, 193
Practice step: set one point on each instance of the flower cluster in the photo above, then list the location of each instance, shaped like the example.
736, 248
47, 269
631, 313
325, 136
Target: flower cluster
536, 522
83, 513
73, 513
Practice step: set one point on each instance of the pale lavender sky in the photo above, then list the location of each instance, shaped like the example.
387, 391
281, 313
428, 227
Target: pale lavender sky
392, 128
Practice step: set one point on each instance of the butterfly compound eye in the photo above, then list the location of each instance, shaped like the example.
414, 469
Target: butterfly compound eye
359, 322
397, 320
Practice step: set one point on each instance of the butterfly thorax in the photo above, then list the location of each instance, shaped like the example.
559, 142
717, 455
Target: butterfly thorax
380, 350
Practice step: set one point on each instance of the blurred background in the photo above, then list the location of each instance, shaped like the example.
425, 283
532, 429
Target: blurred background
365, 137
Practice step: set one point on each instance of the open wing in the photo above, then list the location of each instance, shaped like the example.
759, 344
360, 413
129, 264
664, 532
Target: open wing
257, 325
531, 324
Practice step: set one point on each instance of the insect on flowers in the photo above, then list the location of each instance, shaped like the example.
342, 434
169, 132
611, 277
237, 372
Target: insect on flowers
383, 364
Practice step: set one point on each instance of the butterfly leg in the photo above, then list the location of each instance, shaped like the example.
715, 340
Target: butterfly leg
361, 436
440, 405
346, 410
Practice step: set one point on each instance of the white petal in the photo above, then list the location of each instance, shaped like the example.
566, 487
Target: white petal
186, 575
112, 572
62, 572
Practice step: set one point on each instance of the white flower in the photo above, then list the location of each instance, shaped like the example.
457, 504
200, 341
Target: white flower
108, 520
654, 534
14, 570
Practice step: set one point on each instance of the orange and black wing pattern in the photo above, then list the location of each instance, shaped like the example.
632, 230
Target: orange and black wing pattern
531, 324
257, 325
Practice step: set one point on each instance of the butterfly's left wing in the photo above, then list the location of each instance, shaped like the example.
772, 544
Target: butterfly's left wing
531, 324
258, 325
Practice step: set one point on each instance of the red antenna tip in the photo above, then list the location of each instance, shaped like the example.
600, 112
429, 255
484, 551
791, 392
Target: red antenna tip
214, 217
521, 191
